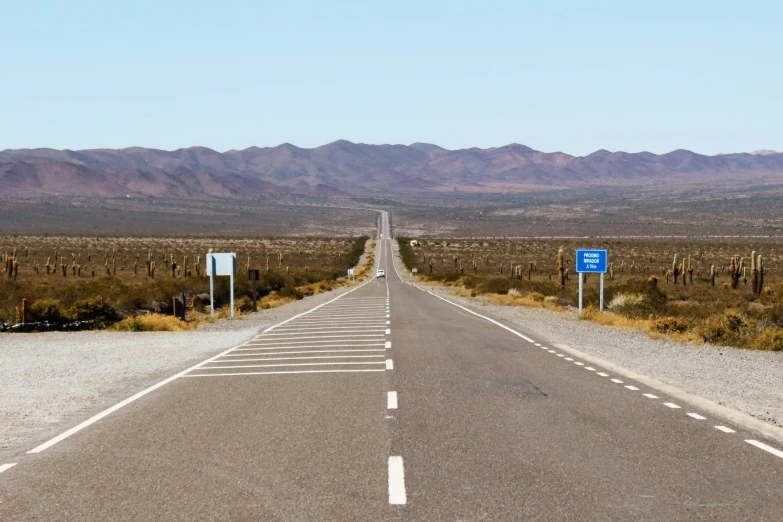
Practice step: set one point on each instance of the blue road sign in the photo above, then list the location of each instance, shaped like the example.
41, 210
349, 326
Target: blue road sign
591, 261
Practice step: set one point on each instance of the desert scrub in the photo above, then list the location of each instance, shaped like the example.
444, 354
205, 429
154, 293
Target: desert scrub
151, 323
640, 289
135, 274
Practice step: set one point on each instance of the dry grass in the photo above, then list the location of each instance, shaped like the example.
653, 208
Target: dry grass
152, 323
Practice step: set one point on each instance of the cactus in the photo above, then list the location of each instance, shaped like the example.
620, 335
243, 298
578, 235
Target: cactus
676, 268
735, 270
561, 267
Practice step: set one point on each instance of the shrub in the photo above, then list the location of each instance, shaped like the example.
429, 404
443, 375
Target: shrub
151, 323
769, 339
496, 285
244, 304
669, 325
45, 310
95, 309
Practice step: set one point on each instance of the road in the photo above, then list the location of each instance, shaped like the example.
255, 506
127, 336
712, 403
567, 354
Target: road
390, 403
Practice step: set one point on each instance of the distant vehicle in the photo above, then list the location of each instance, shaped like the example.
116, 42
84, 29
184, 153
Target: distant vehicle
380, 273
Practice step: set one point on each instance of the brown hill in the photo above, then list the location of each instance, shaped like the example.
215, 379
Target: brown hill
342, 167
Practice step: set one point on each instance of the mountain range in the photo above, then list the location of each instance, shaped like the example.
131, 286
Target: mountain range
346, 168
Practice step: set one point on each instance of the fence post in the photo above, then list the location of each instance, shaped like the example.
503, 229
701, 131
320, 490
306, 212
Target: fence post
24, 311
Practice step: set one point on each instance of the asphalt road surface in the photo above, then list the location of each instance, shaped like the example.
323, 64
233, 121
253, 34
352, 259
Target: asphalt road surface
390, 403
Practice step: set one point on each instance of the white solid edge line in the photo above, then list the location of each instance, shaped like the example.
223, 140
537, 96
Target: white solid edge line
391, 400
763, 446
389, 364
132, 398
397, 495
5, 467
239, 374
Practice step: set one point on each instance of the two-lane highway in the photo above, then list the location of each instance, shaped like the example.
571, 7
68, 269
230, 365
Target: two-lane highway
390, 403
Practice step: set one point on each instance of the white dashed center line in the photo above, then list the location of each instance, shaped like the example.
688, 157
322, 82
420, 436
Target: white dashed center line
579, 363
671, 405
397, 481
5, 467
568, 359
388, 344
724, 429
650, 396
560, 355
391, 400
389, 364
602, 374
590, 368
696, 416
632, 388
617, 381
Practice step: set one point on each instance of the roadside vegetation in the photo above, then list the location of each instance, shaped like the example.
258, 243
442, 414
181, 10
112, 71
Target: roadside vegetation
717, 292
129, 283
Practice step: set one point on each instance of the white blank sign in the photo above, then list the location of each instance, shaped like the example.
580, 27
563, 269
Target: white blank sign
221, 264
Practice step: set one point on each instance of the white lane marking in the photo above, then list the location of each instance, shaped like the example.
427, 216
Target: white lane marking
696, 416
763, 446
95, 418
671, 405
308, 336
297, 352
300, 358
183, 373
618, 381
311, 329
388, 344
298, 347
632, 388
5, 467
724, 429
288, 364
391, 400
537, 344
590, 368
650, 396
544, 347
568, 359
389, 364
602, 374
388, 331
397, 494
550, 351
283, 342
579, 363
525, 337
239, 374
388, 322
560, 355
387, 316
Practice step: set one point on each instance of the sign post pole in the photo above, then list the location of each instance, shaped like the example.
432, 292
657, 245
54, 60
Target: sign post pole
211, 266
231, 276
601, 308
580, 295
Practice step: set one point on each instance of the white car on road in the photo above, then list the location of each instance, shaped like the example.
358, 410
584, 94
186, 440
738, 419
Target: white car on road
380, 273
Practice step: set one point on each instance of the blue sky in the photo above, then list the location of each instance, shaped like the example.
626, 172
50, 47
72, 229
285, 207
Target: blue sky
570, 76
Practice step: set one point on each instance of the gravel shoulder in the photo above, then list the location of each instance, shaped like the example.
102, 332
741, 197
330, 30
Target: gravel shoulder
745, 380
51, 381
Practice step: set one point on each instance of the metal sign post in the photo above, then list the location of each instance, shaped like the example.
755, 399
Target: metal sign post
221, 265
591, 262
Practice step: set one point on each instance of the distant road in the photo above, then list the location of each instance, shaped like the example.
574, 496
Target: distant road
389, 403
